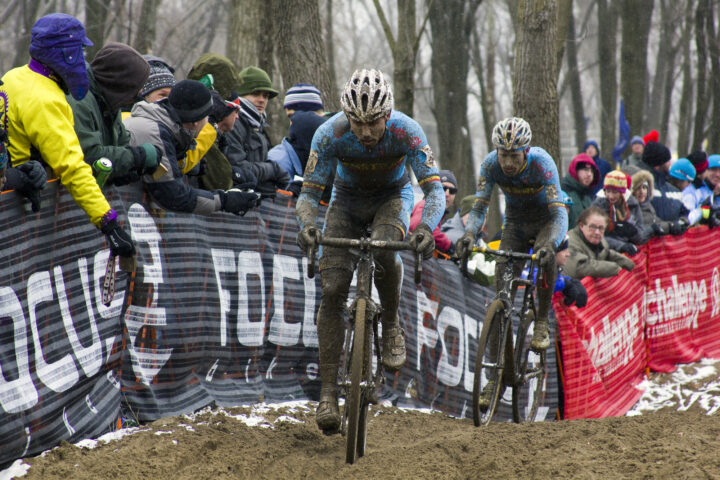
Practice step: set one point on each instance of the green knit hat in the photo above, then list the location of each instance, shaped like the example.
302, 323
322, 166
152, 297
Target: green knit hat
255, 79
225, 75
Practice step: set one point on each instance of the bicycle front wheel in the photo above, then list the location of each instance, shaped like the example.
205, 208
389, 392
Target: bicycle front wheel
355, 402
487, 368
529, 374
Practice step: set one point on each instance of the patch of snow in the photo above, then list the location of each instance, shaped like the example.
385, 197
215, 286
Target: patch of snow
17, 469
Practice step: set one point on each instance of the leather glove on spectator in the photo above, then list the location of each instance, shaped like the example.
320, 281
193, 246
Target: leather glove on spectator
625, 229
237, 202
282, 177
628, 248
423, 241
244, 179
27, 179
464, 245
544, 256
295, 188
678, 227
574, 292
661, 228
309, 238
714, 219
120, 242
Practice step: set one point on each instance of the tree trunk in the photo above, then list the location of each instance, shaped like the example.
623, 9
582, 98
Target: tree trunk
145, 37
95, 15
714, 38
701, 95
573, 74
242, 32
266, 40
485, 72
451, 23
659, 102
535, 81
28, 15
301, 51
636, 16
607, 55
685, 109
330, 51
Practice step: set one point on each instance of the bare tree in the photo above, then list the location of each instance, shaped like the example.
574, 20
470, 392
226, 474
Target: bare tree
29, 13
96, 12
573, 77
242, 31
404, 50
608, 15
636, 16
685, 109
301, 51
714, 41
330, 42
451, 23
145, 38
703, 10
535, 82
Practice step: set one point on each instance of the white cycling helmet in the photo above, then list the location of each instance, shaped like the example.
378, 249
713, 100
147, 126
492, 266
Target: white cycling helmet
511, 133
366, 96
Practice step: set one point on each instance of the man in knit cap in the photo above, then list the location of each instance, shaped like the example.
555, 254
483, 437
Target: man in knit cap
637, 144
699, 160
248, 143
303, 97
159, 82
116, 74
668, 205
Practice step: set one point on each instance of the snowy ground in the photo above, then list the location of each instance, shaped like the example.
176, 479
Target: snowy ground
690, 385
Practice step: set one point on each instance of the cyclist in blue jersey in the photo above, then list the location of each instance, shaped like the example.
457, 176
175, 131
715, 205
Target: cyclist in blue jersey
534, 212
367, 145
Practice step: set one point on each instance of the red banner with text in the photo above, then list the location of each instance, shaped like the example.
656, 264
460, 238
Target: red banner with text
663, 313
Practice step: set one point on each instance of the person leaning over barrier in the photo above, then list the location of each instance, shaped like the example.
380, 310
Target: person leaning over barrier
116, 75
590, 255
172, 125
40, 121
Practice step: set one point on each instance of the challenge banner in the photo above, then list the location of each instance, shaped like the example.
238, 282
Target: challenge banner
665, 312
219, 310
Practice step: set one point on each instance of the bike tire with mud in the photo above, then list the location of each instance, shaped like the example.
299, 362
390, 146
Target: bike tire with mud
493, 320
529, 374
355, 402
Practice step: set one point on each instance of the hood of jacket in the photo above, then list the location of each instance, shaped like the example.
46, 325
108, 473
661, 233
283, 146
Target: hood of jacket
643, 176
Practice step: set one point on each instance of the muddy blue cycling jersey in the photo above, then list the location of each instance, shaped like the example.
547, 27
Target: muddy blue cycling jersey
374, 172
532, 193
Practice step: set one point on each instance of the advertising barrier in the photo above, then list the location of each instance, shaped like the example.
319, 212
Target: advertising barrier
219, 311
663, 313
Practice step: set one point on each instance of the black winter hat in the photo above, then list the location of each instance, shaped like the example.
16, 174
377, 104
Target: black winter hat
191, 100
120, 71
655, 154
221, 108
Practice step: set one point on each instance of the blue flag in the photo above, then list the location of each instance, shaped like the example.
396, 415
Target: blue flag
624, 136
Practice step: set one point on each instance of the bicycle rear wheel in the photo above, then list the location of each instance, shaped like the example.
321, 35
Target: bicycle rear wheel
487, 368
529, 374
355, 402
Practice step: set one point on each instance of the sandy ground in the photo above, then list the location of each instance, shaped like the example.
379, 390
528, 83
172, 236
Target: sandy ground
673, 432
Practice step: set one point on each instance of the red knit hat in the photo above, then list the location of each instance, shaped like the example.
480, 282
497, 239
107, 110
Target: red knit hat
651, 136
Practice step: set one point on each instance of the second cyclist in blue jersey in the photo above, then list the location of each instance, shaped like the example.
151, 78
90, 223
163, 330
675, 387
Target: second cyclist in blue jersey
367, 145
535, 214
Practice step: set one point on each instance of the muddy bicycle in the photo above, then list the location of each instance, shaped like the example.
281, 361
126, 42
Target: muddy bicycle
500, 361
361, 374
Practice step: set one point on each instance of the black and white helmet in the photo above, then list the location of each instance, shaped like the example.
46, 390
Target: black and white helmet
367, 96
511, 133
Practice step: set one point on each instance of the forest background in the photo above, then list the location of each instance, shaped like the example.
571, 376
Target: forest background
457, 66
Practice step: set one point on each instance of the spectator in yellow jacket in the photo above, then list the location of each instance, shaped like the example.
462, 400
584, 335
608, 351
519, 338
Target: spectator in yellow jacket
40, 121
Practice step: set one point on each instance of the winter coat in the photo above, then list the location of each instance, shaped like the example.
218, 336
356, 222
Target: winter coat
247, 147
40, 127
587, 260
100, 130
454, 228
649, 217
666, 199
158, 124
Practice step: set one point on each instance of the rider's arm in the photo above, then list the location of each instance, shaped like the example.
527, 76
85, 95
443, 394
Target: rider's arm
420, 158
486, 181
320, 165
555, 204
